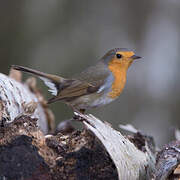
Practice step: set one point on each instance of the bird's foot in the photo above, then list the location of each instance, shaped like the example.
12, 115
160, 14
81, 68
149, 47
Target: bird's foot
78, 117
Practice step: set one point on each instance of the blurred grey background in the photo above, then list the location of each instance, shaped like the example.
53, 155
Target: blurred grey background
64, 37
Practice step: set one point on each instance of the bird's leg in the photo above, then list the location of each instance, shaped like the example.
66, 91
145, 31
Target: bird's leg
82, 111
76, 112
79, 118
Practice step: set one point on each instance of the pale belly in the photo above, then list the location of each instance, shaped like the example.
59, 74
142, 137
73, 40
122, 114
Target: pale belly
91, 101
101, 101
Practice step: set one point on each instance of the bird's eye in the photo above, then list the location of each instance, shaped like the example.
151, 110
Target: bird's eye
118, 56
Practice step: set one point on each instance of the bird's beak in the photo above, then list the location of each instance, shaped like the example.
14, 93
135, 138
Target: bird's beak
135, 57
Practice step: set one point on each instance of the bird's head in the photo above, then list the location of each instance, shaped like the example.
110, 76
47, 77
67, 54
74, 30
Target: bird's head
121, 57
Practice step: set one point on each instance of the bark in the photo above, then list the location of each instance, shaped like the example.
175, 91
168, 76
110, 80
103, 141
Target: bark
98, 152
129, 160
17, 99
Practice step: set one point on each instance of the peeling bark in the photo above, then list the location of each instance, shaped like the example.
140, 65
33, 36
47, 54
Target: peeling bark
16, 99
167, 162
130, 161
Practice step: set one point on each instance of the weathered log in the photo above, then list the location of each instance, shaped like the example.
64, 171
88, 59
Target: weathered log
168, 162
131, 162
25, 153
98, 152
17, 99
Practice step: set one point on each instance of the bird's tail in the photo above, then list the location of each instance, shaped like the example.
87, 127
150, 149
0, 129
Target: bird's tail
52, 81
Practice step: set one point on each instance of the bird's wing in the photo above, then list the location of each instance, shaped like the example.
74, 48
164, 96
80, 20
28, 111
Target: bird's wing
73, 90
95, 75
89, 81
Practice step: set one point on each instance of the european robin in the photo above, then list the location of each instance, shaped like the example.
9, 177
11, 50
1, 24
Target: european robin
96, 86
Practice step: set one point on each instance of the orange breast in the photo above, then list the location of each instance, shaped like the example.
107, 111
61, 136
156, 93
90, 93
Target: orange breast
119, 73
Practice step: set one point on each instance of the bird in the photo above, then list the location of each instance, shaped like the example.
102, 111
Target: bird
96, 86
